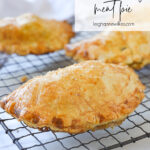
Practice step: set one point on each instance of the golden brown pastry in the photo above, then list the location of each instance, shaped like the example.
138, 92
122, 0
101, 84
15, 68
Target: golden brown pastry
127, 48
23, 78
85, 96
30, 34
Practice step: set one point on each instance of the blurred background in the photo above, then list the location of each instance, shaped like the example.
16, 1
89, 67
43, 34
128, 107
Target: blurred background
52, 9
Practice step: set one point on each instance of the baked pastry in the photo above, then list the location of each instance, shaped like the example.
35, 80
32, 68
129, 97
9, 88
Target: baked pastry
85, 96
30, 34
126, 48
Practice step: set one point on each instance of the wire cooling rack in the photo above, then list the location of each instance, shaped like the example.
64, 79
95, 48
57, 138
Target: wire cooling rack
135, 127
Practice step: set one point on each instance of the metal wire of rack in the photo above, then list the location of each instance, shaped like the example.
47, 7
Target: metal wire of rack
135, 127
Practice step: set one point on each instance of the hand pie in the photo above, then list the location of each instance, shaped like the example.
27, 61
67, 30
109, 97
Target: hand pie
85, 96
127, 48
30, 34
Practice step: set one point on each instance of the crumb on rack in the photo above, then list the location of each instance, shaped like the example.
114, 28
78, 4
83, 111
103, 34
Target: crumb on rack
24, 78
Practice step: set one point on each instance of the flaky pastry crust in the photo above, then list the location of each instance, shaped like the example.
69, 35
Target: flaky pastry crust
29, 34
85, 96
127, 48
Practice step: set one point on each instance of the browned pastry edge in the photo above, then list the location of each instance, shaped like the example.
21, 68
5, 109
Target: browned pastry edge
99, 127
59, 127
71, 130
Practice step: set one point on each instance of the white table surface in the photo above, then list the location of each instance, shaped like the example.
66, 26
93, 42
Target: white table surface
7, 144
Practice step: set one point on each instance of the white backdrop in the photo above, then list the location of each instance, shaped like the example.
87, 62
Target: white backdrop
58, 9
